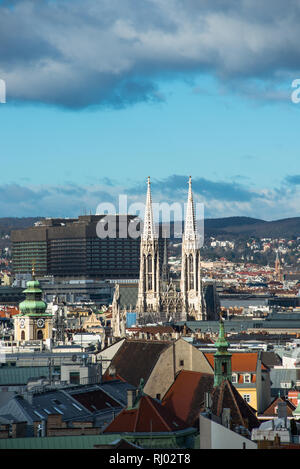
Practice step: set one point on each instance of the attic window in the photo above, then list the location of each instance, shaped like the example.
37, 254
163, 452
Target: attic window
234, 378
247, 378
56, 401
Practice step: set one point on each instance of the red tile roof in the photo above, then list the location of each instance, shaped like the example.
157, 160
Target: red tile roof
271, 410
148, 416
226, 396
186, 395
240, 362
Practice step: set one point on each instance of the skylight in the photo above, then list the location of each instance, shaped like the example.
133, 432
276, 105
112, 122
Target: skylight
76, 406
38, 414
59, 411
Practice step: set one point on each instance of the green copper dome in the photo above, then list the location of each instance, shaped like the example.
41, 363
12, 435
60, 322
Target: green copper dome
33, 304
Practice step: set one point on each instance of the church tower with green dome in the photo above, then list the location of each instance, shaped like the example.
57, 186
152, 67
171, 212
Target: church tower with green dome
33, 323
222, 358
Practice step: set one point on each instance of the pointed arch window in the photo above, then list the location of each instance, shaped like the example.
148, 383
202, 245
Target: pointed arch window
191, 271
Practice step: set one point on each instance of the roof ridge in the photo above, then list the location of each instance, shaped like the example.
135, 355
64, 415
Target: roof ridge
235, 401
150, 400
137, 414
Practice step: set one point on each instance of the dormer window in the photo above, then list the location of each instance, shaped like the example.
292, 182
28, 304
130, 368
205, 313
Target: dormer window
234, 378
247, 378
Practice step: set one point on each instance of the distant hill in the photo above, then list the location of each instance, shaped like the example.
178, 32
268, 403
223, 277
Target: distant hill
11, 223
227, 227
230, 224
246, 227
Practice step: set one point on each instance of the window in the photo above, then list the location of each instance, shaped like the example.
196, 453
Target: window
246, 397
247, 378
74, 377
234, 378
181, 362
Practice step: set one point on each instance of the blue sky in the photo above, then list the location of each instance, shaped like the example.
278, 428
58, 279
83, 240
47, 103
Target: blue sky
98, 101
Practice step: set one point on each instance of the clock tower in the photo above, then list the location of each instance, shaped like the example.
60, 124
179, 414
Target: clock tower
33, 323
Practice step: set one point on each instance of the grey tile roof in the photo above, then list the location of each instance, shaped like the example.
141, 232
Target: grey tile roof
21, 375
283, 375
136, 359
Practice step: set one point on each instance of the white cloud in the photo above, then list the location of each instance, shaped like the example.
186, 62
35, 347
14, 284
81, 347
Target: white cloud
80, 53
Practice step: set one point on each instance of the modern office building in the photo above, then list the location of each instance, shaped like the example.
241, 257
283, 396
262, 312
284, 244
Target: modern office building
90, 246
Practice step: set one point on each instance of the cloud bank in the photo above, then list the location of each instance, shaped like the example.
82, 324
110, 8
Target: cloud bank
113, 53
220, 198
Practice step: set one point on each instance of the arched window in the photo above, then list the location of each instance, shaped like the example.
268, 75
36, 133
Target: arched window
150, 278
40, 335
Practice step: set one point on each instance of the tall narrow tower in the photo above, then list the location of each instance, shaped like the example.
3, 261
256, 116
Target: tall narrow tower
190, 285
278, 272
222, 358
149, 284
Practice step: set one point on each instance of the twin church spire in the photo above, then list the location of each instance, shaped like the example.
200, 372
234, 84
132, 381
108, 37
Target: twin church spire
150, 288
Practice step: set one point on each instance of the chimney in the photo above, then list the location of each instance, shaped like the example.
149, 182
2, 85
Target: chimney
28, 396
282, 410
207, 401
226, 418
131, 397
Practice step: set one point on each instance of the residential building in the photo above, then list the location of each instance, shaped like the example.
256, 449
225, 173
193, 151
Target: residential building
156, 362
250, 377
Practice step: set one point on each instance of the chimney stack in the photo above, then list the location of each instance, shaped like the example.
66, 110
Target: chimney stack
131, 397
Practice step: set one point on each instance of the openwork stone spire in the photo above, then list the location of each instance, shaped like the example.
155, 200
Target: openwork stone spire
149, 280
149, 228
190, 285
190, 226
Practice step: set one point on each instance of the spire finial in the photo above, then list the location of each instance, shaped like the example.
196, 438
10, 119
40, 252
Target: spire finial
149, 230
190, 228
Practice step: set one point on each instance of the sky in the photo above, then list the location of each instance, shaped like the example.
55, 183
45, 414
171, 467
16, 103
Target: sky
101, 94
